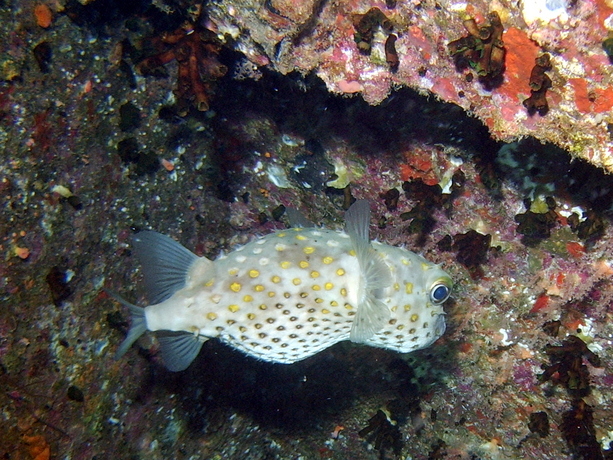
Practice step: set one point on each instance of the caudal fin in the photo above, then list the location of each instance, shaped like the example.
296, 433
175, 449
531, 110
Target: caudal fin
138, 328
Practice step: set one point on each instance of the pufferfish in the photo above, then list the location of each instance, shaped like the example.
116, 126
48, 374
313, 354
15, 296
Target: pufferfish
289, 295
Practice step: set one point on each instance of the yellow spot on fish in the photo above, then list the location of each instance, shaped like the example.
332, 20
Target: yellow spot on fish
233, 271
319, 300
396, 287
242, 328
328, 286
216, 298
316, 287
212, 316
301, 237
343, 292
408, 288
254, 273
308, 249
340, 272
352, 253
250, 316
263, 307
407, 307
258, 288
281, 235
235, 287
405, 262
234, 308
414, 317
275, 279
209, 283
400, 327
328, 260
296, 281
303, 264
280, 247
314, 274
334, 303
285, 264
348, 306
325, 311
247, 298
271, 294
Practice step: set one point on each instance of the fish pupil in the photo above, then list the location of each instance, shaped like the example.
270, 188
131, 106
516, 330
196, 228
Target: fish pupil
439, 293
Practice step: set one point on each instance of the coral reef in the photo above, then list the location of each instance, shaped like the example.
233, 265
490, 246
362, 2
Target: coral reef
539, 84
482, 50
195, 49
92, 153
575, 34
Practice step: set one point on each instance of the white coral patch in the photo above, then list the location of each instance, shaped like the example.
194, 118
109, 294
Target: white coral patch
544, 11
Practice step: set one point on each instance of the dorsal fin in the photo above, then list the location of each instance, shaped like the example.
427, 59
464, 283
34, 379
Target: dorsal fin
165, 264
357, 220
297, 219
372, 314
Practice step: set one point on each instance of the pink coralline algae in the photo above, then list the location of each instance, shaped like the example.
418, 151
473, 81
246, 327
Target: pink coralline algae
320, 38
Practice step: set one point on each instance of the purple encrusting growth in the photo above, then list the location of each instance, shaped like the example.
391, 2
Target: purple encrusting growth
223, 175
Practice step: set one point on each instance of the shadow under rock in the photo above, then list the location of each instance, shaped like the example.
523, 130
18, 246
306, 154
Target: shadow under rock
303, 396
287, 397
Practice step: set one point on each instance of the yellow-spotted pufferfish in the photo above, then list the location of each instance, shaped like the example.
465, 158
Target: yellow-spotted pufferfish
288, 295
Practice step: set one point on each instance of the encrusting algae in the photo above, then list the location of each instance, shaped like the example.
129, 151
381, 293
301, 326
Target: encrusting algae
289, 295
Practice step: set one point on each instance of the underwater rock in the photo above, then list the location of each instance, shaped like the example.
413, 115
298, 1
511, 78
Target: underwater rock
346, 51
539, 423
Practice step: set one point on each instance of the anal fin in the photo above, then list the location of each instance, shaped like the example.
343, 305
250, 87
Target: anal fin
178, 350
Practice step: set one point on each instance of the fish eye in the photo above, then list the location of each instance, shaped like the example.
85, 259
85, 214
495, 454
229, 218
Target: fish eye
439, 292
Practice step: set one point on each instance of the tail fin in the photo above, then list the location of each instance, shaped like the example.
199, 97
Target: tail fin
139, 324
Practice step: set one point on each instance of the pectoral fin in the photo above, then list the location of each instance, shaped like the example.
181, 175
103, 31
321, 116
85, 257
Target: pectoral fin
372, 314
370, 318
